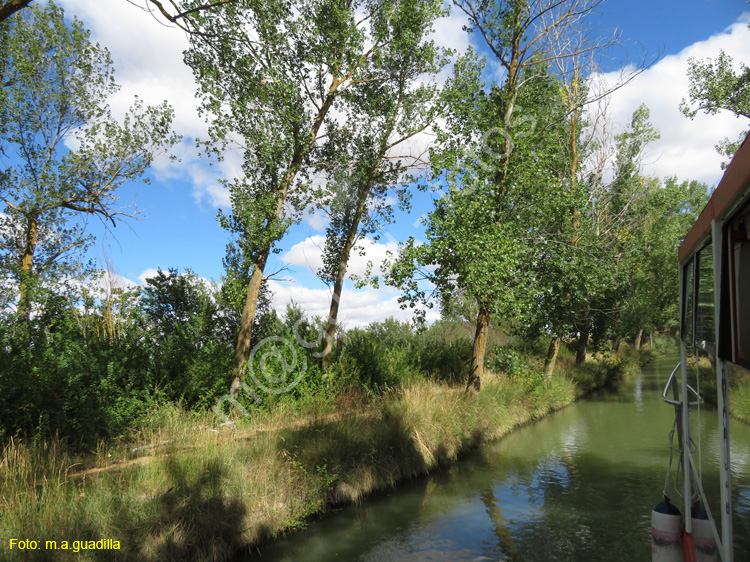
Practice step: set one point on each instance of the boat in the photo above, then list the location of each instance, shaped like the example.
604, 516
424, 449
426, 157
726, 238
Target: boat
714, 269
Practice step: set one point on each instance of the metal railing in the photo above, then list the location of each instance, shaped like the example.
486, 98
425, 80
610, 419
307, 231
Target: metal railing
672, 382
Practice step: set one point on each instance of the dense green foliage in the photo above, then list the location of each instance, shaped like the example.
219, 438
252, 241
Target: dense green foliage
717, 85
96, 369
528, 242
103, 368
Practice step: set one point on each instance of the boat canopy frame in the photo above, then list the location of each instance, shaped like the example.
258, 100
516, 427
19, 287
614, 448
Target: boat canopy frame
715, 317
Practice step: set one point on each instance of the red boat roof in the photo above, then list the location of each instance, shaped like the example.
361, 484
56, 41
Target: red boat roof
736, 180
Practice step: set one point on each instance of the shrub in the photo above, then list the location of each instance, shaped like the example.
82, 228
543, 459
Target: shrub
91, 369
383, 354
444, 352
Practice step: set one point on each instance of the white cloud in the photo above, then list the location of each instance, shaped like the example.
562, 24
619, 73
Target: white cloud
449, 34
147, 274
309, 254
217, 194
358, 308
109, 281
147, 56
317, 220
148, 62
686, 148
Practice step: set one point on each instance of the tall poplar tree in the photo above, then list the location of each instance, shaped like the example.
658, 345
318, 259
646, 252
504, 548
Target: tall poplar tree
371, 156
719, 85
63, 154
477, 233
270, 73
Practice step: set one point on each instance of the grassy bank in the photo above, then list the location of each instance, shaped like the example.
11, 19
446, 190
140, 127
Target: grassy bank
739, 393
739, 385
204, 490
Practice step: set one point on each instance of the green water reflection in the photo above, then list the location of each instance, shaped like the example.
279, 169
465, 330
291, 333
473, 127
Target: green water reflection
578, 485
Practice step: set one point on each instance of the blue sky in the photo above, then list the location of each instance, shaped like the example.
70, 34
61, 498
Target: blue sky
179, 207
669, 26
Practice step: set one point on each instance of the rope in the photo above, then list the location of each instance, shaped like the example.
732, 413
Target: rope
696, 493
671, 457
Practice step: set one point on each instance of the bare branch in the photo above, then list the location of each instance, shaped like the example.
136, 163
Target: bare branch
52, 258
11, 7
182, 15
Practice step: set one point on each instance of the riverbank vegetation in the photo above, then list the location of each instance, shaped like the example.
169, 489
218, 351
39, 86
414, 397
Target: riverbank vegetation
702, 370
187, 485
739, 397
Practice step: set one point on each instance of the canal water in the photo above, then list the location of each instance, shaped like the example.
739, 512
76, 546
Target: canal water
579, 485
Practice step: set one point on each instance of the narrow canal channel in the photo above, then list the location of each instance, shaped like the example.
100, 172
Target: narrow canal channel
578, 485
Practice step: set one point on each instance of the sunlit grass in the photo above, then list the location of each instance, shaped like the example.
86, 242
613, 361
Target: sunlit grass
739, 400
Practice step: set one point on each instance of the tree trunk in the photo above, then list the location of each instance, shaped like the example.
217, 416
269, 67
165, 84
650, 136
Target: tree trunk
27, 272
637, 342
549, 361
651, 341
247, 321
575, 213
616, 344
334, 310
480, 348
583, 344
9, 8
351, 237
